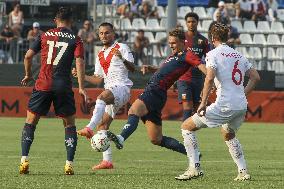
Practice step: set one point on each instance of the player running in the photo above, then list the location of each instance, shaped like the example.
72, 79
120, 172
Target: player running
112, 64
227, 68
150, 103
58, 48
190, 84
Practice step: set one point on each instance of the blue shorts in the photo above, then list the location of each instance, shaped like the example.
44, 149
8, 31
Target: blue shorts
155, 101
189, 91
63, 102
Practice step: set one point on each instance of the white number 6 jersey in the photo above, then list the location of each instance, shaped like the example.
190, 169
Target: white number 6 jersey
230, 67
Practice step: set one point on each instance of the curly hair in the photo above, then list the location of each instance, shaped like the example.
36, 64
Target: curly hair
177, 33
219, 32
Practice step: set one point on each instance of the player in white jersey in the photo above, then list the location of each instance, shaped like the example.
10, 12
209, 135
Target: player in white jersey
112, 64
227, 68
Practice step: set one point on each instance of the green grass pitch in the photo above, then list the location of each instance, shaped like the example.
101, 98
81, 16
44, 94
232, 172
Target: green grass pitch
140, 164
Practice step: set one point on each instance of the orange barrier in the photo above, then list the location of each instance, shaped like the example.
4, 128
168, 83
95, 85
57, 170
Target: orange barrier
263, 106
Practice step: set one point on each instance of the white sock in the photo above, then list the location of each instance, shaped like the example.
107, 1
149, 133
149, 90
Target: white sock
97, 114
69, 162
236, 151
24, 158
191, 146
107, 155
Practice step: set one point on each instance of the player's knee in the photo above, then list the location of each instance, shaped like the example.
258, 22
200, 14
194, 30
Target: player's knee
227, 135
155, 141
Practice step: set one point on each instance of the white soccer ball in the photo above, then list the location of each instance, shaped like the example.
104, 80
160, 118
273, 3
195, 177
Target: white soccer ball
100, 142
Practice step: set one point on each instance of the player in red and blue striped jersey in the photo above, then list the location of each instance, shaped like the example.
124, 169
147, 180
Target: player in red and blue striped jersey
150, 103
58, 47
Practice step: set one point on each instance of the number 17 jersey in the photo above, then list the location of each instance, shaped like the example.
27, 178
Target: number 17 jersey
58, 48
230, 67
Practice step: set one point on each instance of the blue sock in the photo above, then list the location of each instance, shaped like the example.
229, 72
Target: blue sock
173, 144
186, 114
70, 142
27, 138
130, 126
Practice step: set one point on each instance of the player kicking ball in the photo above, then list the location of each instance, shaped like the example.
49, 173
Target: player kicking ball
58, 48
112, 64
150, 103
227, 68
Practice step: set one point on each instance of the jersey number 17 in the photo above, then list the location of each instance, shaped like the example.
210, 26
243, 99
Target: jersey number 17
51, 44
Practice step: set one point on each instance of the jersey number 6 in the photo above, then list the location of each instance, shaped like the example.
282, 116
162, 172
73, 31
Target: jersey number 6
51, 45
237, 71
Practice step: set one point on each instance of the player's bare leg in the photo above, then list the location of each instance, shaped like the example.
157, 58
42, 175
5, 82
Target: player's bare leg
27, 140
105, 98
70, 142
106, 163
236, 151
191, 146
156, 137
137, 110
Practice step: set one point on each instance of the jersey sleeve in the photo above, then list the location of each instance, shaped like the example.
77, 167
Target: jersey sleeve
98, 69
36, 45
192, 59
210, 62
79, 48
126, 53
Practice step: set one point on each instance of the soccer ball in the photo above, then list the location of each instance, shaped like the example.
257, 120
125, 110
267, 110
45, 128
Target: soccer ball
100, 142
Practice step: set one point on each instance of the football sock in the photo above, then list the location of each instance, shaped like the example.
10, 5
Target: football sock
191, 146
236, 151
186, 114
97, 114
107, 155
173, 144
130, 126
70, 142
27, 138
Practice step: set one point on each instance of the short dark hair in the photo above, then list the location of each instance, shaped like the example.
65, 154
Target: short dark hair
219, 32
192, 14
64, 13
177, 33
104, 24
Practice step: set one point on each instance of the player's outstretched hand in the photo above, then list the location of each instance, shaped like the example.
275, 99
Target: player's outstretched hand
201, 111
145, 69
84, 94
74, 72
26, 80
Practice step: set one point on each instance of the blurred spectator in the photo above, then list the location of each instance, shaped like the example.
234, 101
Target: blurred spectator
133, 9
149, 9
244, 9
223, 10
141, 43
231, 7
213, 5
32, 35
272, 9
34, 32
121, 6
7, 37
88, 36
234, 36
16, 20
259, 10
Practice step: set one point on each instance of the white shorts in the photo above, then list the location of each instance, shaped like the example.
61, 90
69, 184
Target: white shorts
121, 95
215, 116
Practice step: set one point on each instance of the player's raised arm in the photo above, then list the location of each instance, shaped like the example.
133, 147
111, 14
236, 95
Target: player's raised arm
28, 67
254, 78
